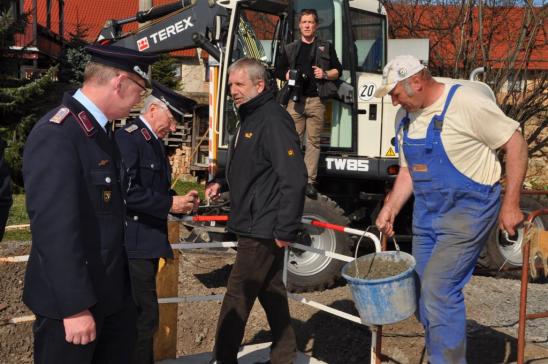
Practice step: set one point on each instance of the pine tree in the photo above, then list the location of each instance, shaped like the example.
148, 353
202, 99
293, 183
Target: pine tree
20, 108
22, 102
75, 58
164, 72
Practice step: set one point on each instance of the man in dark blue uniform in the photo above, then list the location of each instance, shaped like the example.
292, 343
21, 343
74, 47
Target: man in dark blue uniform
147, 180
77, 281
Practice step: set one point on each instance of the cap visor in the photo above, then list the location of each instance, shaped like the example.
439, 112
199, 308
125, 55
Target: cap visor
384, 90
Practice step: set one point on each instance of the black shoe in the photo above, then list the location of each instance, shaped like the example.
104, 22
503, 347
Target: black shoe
311, 191
262, 362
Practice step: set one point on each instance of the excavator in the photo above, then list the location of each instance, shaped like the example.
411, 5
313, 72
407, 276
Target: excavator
358, 162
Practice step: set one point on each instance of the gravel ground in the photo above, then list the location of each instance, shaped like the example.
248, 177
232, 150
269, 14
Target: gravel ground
492, 312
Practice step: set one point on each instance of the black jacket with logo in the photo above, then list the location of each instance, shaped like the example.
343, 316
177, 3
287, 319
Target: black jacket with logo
266, 174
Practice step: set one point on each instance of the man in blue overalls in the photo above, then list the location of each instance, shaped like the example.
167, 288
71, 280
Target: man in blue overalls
447, 136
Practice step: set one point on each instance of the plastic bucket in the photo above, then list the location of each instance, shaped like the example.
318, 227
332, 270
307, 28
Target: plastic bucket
386, 300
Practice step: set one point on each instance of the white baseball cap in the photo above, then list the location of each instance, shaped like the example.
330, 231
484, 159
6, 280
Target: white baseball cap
397, 70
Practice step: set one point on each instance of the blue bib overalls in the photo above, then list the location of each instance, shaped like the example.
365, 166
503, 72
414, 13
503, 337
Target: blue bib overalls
452, 218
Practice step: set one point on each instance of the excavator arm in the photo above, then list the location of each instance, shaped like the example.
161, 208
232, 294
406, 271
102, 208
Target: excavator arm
176, 26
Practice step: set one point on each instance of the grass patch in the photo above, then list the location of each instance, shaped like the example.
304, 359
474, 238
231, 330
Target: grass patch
183, 187
18, 216
18, 212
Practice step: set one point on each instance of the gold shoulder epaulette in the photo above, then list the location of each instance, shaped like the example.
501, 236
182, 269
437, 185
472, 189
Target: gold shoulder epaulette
60, 115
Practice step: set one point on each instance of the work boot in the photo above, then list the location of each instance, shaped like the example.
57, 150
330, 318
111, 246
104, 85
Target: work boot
311, 191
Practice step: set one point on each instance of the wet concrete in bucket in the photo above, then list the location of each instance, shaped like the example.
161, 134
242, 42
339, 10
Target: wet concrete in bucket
377, 267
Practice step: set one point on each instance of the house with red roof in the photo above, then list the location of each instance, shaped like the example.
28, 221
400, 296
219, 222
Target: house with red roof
511, 39
52, 23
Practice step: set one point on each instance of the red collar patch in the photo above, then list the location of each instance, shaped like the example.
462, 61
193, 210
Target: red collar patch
86, 123
146, 134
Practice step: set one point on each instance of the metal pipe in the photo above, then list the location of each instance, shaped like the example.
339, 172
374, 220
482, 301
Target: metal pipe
526, 250
475, 72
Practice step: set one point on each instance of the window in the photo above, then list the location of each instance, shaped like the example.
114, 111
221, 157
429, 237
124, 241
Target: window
369, 34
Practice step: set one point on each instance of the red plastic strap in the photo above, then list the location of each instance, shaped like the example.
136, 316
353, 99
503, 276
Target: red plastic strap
210, 218
328, 225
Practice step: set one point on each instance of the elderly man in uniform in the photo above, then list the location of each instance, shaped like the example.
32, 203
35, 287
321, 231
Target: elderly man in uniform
448, 137
77, 280
267, 178
147, 180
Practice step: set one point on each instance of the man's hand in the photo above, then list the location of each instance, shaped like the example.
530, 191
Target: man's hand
186, 203
282, 243
318, 72
80, 328
385, 221
213, 190
510, 218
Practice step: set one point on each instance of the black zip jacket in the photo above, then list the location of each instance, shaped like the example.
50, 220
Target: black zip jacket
266, 172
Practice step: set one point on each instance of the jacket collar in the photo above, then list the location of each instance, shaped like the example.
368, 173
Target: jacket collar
249, 107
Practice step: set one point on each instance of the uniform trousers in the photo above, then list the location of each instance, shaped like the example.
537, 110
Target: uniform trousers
114, 343
309, 114
143, 279
257, 273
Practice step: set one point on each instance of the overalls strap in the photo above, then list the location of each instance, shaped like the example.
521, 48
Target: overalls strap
402, 124
436, 125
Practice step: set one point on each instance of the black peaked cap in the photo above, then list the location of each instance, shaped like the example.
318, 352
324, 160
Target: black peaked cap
123, 58
176, 102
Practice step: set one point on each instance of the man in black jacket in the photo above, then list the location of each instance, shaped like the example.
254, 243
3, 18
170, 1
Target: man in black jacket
77, 279
315, 66
267, 178
147, 180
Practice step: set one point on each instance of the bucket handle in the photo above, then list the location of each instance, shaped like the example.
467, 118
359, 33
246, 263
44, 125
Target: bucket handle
358, 247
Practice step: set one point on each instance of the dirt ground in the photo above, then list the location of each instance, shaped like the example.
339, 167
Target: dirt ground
492, 312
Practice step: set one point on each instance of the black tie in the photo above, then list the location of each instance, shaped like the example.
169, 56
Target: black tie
108, 129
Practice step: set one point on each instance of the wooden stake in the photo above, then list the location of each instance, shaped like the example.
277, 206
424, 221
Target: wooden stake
167, 282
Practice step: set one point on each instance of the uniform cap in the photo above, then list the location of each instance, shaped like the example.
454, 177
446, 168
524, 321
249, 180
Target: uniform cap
177, 103
123, 58
398, 69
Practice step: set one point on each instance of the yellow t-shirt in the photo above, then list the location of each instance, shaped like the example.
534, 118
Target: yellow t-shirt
474, 127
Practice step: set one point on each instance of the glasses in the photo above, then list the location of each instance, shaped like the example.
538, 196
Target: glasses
143, 88
170, 116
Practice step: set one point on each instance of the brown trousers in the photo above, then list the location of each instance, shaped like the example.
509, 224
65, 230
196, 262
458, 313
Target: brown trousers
308, 115
257, 273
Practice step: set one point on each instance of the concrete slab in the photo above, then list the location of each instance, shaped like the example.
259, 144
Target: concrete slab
248, 354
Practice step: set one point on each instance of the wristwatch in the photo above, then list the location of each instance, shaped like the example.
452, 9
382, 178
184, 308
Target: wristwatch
324, 75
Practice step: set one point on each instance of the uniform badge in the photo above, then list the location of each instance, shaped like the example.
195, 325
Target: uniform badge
60, 115
85, 122
103, 162
290, 153
321, 48
248, 134
146, 134
106, 196
131, 128
420, 168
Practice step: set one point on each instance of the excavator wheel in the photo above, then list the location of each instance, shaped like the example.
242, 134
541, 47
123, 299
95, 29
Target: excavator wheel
312, 272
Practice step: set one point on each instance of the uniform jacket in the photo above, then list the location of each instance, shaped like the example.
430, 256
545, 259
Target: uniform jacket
5, 190
77, 260
265, 172
147, 180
